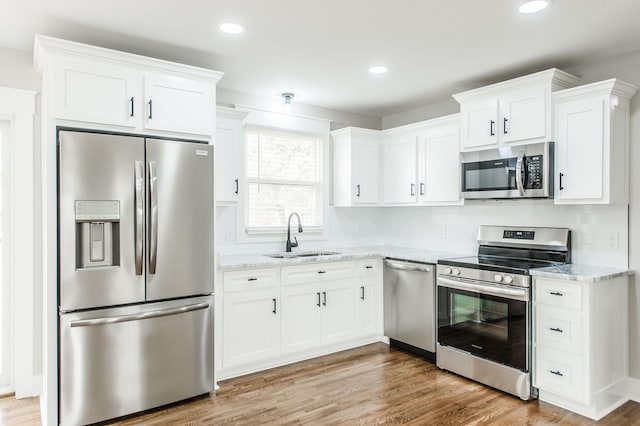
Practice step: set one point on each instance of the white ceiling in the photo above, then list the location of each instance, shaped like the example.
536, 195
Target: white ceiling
320, 50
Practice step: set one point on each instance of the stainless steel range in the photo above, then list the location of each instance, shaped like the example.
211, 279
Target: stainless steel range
484, 305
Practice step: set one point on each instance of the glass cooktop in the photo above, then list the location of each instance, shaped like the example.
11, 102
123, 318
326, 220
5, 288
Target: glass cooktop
497, 263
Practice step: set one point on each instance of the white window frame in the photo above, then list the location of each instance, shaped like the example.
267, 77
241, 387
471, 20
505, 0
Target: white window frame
285, 123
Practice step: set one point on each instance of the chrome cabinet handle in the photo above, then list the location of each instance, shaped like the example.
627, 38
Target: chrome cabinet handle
153, 200
421, 188
324, 296
139, 206
358, 190
413, 186
318, 294
140, 316
519, 182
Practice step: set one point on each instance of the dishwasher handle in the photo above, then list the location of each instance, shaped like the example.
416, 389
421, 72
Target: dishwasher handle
406, 266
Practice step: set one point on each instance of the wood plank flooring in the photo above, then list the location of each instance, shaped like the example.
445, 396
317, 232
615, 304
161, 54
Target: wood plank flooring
371, 385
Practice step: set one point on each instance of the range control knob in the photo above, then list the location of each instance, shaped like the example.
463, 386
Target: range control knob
447, 271
456, 271
497, 278
508, 279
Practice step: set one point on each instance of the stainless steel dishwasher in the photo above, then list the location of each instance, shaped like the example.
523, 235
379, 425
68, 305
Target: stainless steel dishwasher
409, 306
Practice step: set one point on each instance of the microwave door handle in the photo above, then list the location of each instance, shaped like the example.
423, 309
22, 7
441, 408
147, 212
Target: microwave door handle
519, 182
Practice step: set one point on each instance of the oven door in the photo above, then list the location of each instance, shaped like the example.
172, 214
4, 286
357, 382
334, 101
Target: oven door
485, 320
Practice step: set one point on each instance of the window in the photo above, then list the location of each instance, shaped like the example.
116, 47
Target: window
283, 175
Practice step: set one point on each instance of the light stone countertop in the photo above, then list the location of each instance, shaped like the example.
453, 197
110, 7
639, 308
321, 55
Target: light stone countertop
577, 272
261, 260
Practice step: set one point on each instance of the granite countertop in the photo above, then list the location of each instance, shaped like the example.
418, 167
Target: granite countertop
262, 260
577, 272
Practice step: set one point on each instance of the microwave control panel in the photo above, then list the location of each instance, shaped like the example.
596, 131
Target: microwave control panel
534, 172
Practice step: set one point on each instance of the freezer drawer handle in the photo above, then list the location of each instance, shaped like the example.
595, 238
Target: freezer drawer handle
153, 200
141, 316
396, 265
139, 202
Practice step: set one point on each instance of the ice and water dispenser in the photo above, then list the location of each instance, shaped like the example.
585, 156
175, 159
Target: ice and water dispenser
97, 233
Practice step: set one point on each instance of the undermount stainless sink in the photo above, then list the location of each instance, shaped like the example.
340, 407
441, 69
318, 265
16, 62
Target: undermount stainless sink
301, 254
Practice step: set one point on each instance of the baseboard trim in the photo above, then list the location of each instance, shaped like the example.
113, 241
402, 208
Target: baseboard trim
633, 389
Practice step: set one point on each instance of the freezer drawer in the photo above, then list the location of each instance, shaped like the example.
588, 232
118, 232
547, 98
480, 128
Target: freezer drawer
120, 361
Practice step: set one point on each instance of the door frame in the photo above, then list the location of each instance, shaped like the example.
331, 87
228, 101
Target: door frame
17, 108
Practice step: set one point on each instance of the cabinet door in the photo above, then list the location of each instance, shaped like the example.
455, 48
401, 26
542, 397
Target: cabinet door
478, 124
439, 166
579, 140
523, 115
179, 105
228, 158
301, 311
338, 311
365, 163
399, 160
96, 93
251, 327
367, 309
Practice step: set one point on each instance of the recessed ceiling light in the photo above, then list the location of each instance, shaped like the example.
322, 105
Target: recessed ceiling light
232, 28
378, 69
533, 6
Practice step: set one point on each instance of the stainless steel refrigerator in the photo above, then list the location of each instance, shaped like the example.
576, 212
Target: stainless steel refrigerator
135, 265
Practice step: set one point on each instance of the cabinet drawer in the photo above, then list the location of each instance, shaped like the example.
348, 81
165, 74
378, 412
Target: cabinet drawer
369, 267
560, 373
317, 272
250, 279
559, 328
558, 293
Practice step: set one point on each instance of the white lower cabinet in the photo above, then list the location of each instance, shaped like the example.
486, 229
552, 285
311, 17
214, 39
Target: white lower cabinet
580, 344
274, 316
251, 327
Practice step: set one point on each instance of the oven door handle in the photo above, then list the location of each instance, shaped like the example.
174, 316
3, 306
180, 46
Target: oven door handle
508, 293
519, 182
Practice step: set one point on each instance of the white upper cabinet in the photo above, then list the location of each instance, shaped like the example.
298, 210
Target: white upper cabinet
229, 151
439, 162
116, 89
421, 163
178, 104
356, 167
592, 143
512, 112
399, 167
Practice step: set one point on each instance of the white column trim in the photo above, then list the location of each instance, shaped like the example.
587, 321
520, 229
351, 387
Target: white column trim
18, 108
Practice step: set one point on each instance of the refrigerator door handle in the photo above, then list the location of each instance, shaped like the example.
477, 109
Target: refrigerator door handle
140, 316
139, 203
153, 199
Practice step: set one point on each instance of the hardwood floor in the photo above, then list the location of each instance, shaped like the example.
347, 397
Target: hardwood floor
374, 384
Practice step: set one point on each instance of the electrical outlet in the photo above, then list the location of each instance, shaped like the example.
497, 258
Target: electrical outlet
613, 240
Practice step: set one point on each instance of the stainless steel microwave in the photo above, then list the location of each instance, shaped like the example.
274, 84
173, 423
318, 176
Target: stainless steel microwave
524, 171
